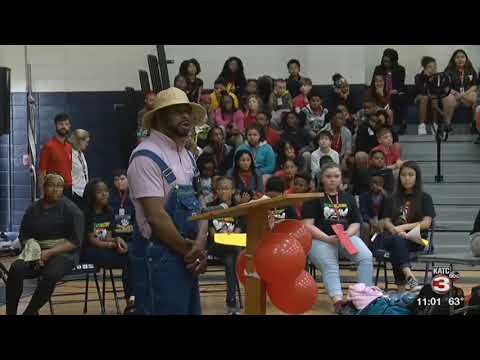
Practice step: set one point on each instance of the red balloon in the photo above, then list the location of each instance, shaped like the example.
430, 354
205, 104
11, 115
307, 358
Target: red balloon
297, 230
294, 297
241, 266
279, 257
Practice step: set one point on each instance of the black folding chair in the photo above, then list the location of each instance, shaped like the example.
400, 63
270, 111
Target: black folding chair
383, 257
81, 269
114, 289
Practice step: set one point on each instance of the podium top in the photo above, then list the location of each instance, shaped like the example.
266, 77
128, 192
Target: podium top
244, 209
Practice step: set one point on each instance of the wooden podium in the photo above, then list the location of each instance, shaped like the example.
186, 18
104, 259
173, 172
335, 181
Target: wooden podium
257, 223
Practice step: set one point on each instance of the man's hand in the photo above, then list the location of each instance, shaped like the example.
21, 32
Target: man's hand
196, 259
394, 92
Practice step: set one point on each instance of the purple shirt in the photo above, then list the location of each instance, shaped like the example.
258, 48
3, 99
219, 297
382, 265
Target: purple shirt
145, 179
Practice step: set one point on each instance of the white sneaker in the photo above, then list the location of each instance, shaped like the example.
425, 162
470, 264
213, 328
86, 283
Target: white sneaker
422, 129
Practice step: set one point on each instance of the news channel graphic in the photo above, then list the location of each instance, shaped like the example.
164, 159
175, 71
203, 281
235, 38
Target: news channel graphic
442, 284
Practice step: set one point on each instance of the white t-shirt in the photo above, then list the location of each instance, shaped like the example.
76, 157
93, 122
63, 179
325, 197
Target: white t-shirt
79, 172
317, 155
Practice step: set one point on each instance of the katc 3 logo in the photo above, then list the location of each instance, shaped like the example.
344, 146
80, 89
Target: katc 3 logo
441, 284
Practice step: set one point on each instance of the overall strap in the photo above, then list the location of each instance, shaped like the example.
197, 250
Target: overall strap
194, 163
166, 171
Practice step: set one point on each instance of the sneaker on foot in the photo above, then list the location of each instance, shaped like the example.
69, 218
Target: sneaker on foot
412, 284
233, 311
477, 141
422, 129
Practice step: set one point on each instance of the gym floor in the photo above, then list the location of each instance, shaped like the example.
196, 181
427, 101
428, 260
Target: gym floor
212, 295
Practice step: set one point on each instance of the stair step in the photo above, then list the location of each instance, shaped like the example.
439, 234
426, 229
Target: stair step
454, 194
450, 151
453, 172
460, 218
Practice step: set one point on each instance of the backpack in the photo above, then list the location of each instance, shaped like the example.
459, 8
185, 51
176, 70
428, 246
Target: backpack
383, 306
430, 303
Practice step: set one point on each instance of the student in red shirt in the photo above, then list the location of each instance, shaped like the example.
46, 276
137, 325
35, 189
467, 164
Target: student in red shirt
254, 105
56, 155
272, 136
392, 151
300, 101
288, 171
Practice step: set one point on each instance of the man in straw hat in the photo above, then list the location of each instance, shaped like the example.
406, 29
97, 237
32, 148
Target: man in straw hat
160, 177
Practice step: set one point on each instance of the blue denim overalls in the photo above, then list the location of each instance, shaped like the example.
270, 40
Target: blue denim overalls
162, 284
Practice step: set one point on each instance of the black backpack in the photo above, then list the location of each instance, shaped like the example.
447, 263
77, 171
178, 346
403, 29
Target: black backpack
430, 303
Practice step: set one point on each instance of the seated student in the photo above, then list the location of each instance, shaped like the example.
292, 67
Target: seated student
336, 207
301, 185
122, 206
301, 100
280, 101
382, 122
341, 136
377, 167
204, 186
378, 91
325, 159
231, 119
180, 83
56, 224
422, 99
366, 138
293, 82
264, 90
341, 94
224, 191
190, 69
203, 127
206, 103
464, 86
265, 158
289, 151
371, 202
220, 87
287, 172
314, 113
324, 142
408, 207
254, 105
251, 89
101, 248
274, 187
360, 180
392, 151
294, 132
272, 136
350, 122
222, 152
247, 182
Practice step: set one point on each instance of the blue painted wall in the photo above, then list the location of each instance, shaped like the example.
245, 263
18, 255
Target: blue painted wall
112, 132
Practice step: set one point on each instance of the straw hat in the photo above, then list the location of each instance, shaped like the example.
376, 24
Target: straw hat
171, 97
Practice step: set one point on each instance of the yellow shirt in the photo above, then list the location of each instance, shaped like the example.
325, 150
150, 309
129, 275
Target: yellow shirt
215, 103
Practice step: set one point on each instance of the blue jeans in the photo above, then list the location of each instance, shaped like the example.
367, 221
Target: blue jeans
230, 261
325, 258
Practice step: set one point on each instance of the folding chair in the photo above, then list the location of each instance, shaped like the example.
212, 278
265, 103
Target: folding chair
81, 269
114, 289
383, 257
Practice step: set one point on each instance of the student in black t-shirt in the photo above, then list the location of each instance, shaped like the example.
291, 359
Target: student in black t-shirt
422, 99
190, 69
335, 207
122, 206
101, 248
378, 167
275, 187
464, 85
224, 191
56, 224
407, 208
293, 82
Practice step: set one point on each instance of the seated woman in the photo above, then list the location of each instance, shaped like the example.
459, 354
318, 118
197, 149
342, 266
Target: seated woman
101, 248
231, 119
57, 225
464, 86
223, 153
336, 207
408, 207
394, 77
